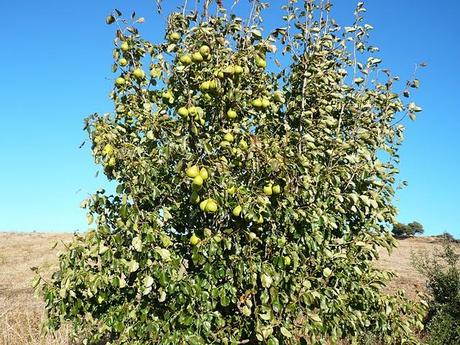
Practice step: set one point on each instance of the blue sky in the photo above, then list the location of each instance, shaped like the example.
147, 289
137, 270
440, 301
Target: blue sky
56, 60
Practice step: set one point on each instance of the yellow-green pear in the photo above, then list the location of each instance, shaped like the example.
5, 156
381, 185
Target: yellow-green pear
276, 189
193, 171
120, 81
123, 62
125, 46
287, 261
243, 144
204, 173
174, 36
211, 206
268, 190
107, 150
231, 114
183, 111
229, 137
229, 70
205, 86
112, 161
167, 95
238, 70
197, 57
185, 59
205, 50
139, 73
231, 190
203, 204
237, 211
198, 181
194, 240
260, 62
257, 103
265, 103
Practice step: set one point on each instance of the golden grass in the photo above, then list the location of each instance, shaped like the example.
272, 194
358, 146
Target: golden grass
21, 313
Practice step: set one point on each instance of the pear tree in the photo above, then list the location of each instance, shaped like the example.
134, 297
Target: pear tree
254, 177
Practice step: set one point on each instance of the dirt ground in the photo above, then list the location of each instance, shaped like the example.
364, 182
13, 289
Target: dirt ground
21, 312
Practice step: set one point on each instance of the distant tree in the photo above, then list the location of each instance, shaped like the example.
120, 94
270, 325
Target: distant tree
411, 229
415, 228
399, 229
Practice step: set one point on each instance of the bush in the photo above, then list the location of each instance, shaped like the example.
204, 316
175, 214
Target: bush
449, 237
250, 203
444, 329
442, 271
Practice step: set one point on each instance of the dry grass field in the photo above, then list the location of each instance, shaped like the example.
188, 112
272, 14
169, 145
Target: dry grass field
21, 312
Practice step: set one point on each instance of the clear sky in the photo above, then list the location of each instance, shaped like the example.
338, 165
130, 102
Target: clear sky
56, 59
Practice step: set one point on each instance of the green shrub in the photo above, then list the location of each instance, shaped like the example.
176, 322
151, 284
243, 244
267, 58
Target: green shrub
442, 271
250, 203
444, 329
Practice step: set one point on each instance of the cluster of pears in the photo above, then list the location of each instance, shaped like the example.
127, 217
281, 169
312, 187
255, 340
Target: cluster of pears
230, 71
261, 103
228, 140
138, 72
202, 54
197, 113
270, 189
198, 177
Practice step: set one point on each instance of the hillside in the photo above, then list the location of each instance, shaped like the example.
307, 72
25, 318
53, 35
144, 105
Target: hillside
20, 312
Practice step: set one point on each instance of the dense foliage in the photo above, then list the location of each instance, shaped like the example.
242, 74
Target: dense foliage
250, 200
442, 270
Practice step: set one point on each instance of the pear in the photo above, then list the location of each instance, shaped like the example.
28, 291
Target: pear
123, 62
205, 50
174, 37
139, 73
183, 111
120, 81
260, 62
185, 59
243, 144
238, 70
268, 190
197, 181
193, 171
194, 240
204, 174
211, 206
229, 137
237, 211
257, 103
276, 189
203, 204
231, 114
197, 57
